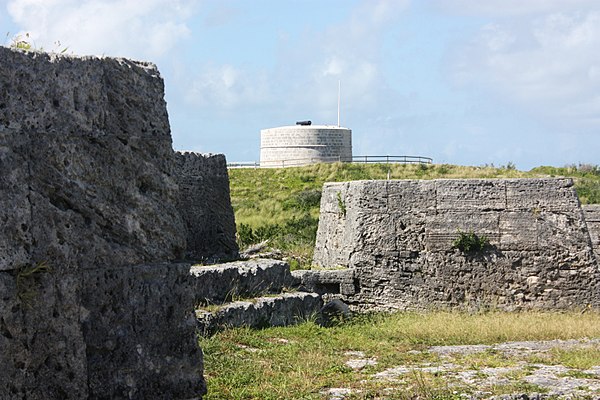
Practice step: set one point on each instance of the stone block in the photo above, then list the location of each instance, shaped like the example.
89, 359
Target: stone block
541, 194
410, 197
139, 330
368, 195
282, 310
339, 281
470, 195
540, 254
221, 283
205, 204
95, 143
442, 229
519, 230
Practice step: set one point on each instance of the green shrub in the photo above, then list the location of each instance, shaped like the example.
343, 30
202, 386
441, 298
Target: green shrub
304, 200
469, 242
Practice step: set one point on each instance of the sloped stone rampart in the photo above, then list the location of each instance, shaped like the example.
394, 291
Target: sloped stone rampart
90, 305
398, 237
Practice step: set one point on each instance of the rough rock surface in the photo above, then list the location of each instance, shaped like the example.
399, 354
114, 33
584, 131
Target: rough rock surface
330, 284
592, 218
398, 237
280, 310
504, 367
140, 333
87, 202
216, 284
204, 195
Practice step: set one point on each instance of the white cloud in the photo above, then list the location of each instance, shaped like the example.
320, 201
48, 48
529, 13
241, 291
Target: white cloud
304, 79
549, 64
131, 28
350, 51
227, 87
512, 8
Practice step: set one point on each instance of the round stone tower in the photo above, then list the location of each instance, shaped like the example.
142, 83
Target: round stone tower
305, 144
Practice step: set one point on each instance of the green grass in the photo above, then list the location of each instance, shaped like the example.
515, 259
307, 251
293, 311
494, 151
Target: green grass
282, 204
300, 362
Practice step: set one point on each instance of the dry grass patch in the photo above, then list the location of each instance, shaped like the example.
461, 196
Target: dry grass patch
303, 361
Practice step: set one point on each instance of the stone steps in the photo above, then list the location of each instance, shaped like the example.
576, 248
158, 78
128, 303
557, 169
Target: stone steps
217, 284
278, 310
268, 290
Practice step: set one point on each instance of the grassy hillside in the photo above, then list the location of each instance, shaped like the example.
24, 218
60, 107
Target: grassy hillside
282, 204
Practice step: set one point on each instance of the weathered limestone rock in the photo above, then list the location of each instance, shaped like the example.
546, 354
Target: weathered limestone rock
281, 310
591, 213
139, 331
398, 238
91, 137
87, 208
327, 282
216, 284
204, 195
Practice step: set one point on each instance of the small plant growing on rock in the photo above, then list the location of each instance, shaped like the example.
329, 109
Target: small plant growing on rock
25, 42
22, 43
469, 242
27, 285
341, 204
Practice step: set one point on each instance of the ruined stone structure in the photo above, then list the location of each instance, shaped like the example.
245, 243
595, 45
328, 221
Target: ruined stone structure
92, 304
304, 144
397, 240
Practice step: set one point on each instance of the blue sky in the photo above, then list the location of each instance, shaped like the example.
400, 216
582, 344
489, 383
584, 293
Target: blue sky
467, 82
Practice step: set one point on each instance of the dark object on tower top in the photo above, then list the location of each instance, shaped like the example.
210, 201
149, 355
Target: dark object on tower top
304, 123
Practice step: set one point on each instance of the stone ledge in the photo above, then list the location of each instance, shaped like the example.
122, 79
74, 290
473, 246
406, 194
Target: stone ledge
335, 281
281, 310
220, 283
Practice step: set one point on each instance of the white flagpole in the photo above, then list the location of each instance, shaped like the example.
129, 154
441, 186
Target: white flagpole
339, 91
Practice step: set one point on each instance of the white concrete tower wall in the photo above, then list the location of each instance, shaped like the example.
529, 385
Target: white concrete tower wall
304, 144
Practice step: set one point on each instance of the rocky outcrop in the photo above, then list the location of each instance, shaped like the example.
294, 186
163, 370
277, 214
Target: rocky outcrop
400, 237
92, 305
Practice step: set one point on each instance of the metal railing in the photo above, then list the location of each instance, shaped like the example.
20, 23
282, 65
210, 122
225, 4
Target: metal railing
244, 164
392, 159
296, 162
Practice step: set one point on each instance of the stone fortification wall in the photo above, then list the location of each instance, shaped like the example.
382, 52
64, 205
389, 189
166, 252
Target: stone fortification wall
90, 305
592, 218
204, 195
398, 237
304, 144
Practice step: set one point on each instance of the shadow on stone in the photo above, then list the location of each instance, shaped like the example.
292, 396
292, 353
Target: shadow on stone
333, 313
